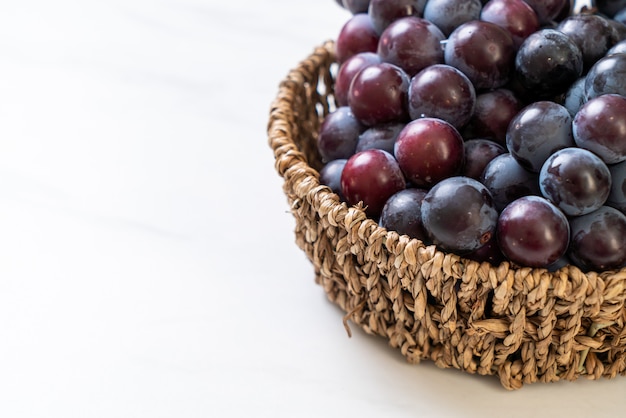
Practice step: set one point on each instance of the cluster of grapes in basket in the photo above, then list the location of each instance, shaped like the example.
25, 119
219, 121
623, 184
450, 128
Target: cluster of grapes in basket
494, 129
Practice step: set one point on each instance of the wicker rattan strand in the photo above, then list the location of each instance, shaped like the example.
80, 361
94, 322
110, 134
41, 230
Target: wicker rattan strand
523, 325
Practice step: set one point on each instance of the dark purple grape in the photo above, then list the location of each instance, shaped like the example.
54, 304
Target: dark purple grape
575, 180
339, 134
378, 94
348, 70
429, 150
507, 181
330, 175
600, 127
617, 196
599, 240
483, 51
450, 14
385, 12
490, 252
618, 48
610, 7
548, 10
443, 92
493, 113
402, 213
548, 62
356, 6
411, 43
371, 177
593, 35
380, 137
537, 131
516, 16
458, 215
575, 97
607, 76
533, 232
356, 35
619, 28
479, 153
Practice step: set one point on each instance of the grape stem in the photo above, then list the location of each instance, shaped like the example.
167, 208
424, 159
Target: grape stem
582, 6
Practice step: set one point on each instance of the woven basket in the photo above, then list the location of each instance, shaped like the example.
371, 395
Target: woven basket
523, 325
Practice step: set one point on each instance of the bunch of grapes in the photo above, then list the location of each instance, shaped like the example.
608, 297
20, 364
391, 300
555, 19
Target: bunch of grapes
494, 129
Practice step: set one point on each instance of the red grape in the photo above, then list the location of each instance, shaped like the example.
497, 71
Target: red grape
378, 94
411, 43
350, 68
483, 51
371, 177
429, 150
356, 35
516, 16
443, 92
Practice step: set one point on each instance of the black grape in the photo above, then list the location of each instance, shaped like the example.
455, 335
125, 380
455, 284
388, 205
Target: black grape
599, 240
450, 14
537, 131
533, 232
458, 214
548, 62
507, 181
607, 76
402, 213
339, 134
575, 180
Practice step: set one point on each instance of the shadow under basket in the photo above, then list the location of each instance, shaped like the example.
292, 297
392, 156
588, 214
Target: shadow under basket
523, 325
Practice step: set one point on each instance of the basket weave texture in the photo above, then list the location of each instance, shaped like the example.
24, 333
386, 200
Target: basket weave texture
523, 325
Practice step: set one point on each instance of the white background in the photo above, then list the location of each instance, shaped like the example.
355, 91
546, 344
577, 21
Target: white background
147, 258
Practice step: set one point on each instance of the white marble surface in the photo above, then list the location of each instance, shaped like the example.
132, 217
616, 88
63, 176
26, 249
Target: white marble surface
137, 200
